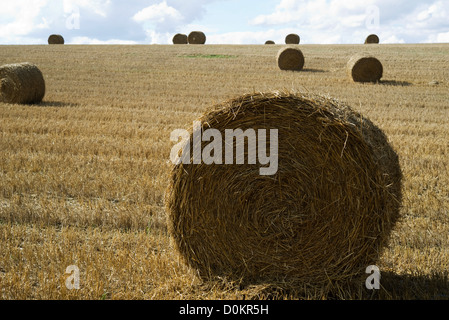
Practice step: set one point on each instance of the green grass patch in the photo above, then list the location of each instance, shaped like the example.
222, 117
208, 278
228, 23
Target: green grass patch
208, 56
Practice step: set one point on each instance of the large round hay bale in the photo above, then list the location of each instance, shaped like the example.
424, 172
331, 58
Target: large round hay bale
21, 83
292, 38
290, 59
197, 37
372, 38
270, 42
180, 38
320, 219
55, 39
363, 67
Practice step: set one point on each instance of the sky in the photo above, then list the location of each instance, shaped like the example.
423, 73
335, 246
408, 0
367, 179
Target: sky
223, 21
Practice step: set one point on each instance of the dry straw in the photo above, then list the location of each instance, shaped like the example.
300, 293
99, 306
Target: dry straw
292, 38
197, 37
180, 38
363, 67
269, 42
372, 38
290, 59
55, 39
318, 222
21, 83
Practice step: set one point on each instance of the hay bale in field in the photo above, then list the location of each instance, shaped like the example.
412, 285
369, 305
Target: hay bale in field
180, 38
321, 219
55, 39
363, 67
292, 38
372, 38
197, 37
269, 42
290, 59
21, 83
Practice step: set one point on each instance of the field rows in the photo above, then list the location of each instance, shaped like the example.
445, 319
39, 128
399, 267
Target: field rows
83, 174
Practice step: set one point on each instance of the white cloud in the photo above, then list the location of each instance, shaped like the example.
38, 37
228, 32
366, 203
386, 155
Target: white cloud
411, 21
158, 13
443, 37
244, 37
155, 21
87, 40
98, 7
22, 24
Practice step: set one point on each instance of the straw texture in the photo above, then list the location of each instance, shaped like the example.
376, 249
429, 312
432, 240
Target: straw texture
197, 37
372, 38
21, 83
290, 59
180, 38
363, 67
320, 220
55, 39
292, 38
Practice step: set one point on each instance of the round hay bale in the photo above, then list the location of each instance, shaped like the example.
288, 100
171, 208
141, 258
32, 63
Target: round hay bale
321, 219
364, 68
197, 37
372, 38
55, 39
292, 38
180, 38
21, 83
270, 42
290, 59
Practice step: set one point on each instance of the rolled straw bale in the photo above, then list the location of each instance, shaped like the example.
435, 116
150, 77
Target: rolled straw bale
372, 38
363, 67
180, 38
55, 39
321, 219
290, 59
21, 83
292, 38
269, 42
197, 37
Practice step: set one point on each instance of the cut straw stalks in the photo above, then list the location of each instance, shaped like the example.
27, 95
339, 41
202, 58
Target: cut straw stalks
318, 222
372, 38
292, 38
197, 37
21, 83
290, 58
180, 38
55, 39
363, 67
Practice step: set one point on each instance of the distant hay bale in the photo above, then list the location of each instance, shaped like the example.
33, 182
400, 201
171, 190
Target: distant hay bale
292, 38
321, 219
180, 38
197, 37
363, 67
269, 42
55, 39
290, 59
372, 38
21, 83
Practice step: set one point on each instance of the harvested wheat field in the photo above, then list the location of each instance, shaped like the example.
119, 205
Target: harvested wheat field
84, 173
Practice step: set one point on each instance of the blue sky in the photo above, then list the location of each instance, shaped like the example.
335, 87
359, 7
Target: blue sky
223, 21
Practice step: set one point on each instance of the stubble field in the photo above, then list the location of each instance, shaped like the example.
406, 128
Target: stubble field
83, 174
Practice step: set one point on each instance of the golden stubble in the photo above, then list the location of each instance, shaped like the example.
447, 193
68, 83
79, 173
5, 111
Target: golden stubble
83, 174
